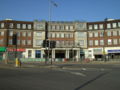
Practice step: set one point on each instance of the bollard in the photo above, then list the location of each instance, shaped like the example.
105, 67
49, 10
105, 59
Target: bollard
17, 63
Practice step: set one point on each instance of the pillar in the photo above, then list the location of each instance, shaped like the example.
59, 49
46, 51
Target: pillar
78, 55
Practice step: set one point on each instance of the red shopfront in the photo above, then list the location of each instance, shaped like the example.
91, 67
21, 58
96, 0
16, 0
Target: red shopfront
12, 52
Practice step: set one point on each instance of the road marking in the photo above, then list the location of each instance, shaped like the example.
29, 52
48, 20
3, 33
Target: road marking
74, 73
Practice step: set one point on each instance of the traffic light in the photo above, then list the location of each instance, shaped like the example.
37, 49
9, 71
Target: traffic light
52, 44
45, 43
14, 39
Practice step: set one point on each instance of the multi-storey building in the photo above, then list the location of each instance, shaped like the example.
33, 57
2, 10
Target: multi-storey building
104, 39
74, 40
67, 35
24, 31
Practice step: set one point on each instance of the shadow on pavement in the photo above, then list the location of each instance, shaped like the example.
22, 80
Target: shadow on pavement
90, 81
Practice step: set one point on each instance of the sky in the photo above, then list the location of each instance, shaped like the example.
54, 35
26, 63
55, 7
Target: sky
66, 10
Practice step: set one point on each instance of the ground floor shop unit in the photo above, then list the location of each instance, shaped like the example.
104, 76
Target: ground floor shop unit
56, 54
106, 53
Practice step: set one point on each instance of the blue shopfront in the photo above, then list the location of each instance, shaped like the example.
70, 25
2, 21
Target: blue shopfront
114, 54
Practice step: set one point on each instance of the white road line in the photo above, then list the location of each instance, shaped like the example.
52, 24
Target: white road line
74, 73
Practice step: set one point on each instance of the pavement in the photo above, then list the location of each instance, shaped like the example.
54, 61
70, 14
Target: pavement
11, 64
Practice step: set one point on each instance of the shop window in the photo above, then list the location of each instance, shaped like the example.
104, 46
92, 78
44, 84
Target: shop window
37, 54
29, 53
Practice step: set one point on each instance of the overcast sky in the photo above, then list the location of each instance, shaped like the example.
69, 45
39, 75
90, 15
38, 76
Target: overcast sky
67, 10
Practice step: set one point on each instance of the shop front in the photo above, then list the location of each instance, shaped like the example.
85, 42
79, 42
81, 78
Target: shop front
2, 53
114, 54
13, 53
98, 54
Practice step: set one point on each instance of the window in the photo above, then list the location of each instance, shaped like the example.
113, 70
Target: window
57, 35
95, 26
23, 42
28, 42
95, 34
119, 33
18, 26
10, 41
81, 34
53, 27
118, 24
114, 25
62, 35
10, 33
18, 42
101, 42
90, 34
96, 42
81, 42
109, 41
39, 34
24, 26
108, 25
18, 34
100, 26
114, 33
71, 35
115, 42
2, 33
91, 42
67, 27
62, 27
1, 41
66, 35
2, 25
37, 54
71, 27
57, 27
11, 25
90, 27
109, 33
29, 53
53, 35
38, 42
29, 26
101, 34
23, 34
29, 34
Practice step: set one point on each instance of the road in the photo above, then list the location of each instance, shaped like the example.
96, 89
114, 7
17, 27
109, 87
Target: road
88, 77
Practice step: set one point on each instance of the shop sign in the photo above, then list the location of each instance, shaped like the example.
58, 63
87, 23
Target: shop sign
114, 51
97, 51
2, 49
18, 50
